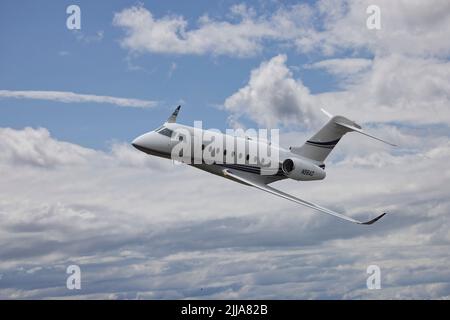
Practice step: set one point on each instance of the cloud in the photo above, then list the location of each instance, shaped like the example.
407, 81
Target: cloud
71, 97
63, 53
342, 67
395, 88
144, 33
411, 28
242, 35
140, 227
87, 39
326, 27
273, 96
172, 68
152, 230
36, 147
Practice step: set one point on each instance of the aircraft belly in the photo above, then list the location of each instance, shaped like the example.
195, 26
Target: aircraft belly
218, 170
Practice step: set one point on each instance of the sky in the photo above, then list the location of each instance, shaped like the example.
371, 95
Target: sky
73, 190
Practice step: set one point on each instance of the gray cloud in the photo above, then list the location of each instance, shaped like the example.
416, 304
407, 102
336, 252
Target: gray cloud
140, 227
153, 230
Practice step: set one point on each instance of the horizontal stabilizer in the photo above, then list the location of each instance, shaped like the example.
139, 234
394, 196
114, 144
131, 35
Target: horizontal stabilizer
353, 128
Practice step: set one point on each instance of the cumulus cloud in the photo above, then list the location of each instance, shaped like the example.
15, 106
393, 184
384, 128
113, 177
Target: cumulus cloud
169, 34
272, 95
412, 28
71, 97
327, 27
136, 232
395, 88
243, 33
36, 147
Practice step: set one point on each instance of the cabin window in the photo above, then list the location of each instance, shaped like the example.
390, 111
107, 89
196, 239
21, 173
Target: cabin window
247, 157
224, 152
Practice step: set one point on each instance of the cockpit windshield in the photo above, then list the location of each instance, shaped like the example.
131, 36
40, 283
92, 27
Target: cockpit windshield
164, 131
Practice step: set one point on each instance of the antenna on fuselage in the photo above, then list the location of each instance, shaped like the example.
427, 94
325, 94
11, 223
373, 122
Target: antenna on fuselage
173, 117
329, 115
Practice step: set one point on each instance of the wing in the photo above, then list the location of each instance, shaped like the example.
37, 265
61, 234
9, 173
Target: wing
264, 187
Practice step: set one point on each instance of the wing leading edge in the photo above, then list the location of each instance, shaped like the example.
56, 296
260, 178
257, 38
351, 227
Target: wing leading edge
284, 195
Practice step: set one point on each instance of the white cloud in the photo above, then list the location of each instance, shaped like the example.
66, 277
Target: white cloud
272, 96
36, 147
409, 27
169, 34
342, 67
242, 35
395, 88
87, 39
413, 28
172, 68
71, 97
63, 53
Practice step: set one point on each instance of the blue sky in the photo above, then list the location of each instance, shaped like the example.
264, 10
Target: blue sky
40, 53
75, 192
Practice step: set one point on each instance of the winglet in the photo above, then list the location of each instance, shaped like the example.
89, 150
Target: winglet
173, 117
374, 220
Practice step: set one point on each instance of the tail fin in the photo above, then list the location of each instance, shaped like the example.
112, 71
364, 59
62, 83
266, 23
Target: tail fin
319, 146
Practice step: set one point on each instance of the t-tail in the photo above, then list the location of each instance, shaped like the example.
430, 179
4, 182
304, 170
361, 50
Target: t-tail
319, 146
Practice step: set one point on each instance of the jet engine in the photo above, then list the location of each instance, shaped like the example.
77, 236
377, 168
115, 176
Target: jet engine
302, 170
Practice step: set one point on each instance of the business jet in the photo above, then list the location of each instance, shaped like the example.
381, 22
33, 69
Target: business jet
301, 163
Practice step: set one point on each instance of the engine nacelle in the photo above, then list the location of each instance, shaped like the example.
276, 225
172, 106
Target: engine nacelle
299, 169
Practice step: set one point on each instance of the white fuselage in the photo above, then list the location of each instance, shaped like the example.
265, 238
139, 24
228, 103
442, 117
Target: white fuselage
161, 143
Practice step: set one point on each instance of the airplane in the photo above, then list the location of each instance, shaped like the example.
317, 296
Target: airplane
301, 163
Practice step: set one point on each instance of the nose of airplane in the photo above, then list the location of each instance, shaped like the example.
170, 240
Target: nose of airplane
138, 143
